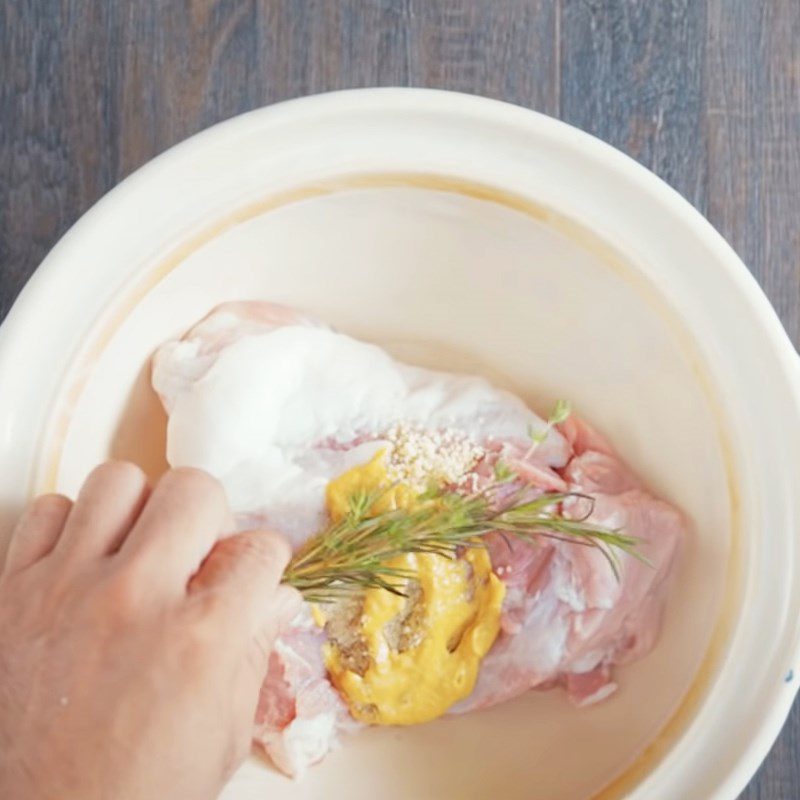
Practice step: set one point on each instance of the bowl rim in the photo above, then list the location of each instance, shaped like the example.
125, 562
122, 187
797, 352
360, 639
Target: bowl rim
30, 308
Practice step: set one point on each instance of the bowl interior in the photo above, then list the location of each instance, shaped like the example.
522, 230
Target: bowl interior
448, 276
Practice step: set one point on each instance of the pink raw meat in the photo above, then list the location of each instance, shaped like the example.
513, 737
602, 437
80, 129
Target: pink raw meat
566, 619
299, 712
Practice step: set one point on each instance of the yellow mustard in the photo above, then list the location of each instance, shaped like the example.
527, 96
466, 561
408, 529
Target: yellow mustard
454, 622
371, 478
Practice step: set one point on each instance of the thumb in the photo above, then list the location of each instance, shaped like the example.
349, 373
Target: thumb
243, 572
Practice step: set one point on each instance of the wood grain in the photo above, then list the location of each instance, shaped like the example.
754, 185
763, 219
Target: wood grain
706, 93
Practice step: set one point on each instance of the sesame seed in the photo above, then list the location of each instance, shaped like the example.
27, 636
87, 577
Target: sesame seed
419, 456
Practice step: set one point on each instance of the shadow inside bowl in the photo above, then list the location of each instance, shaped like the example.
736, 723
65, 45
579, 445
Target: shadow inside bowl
141, 435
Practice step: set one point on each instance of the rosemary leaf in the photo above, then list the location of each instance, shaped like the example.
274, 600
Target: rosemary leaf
354, 553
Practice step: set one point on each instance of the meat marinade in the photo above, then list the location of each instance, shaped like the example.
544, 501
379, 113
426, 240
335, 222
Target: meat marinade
276, 405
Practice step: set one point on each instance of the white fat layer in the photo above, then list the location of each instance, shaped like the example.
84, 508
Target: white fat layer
601, 694
263, 415
304, 741
588, 662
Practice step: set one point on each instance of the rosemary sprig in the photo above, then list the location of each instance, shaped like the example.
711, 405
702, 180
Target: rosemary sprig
560, 413
354, 553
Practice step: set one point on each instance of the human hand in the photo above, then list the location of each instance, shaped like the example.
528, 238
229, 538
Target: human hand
133, 640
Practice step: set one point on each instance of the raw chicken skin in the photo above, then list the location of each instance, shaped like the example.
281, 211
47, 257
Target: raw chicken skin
299, 712
566, 619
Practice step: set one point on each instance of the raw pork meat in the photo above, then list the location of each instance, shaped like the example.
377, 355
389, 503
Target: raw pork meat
318, 404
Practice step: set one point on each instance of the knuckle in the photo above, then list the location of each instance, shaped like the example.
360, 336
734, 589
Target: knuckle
194, 477
121, 594
197, 482
117, 472
207, 604
48, 506
200, 638
251, 547
49, 502
266, 548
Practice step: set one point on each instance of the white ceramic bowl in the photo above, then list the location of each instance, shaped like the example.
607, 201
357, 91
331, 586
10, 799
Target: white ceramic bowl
472, 235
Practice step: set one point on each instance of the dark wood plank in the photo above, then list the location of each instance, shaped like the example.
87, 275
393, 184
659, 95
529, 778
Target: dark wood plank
752, 151
632, 74
752, 111
704, 92
90, 91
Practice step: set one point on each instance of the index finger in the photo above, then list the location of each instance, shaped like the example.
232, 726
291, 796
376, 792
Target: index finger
242, 575
184, 517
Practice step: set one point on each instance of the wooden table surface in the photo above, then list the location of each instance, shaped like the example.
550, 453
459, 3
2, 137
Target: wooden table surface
706, 93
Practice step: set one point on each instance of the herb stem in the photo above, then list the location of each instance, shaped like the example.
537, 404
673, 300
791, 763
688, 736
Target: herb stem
355, 553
